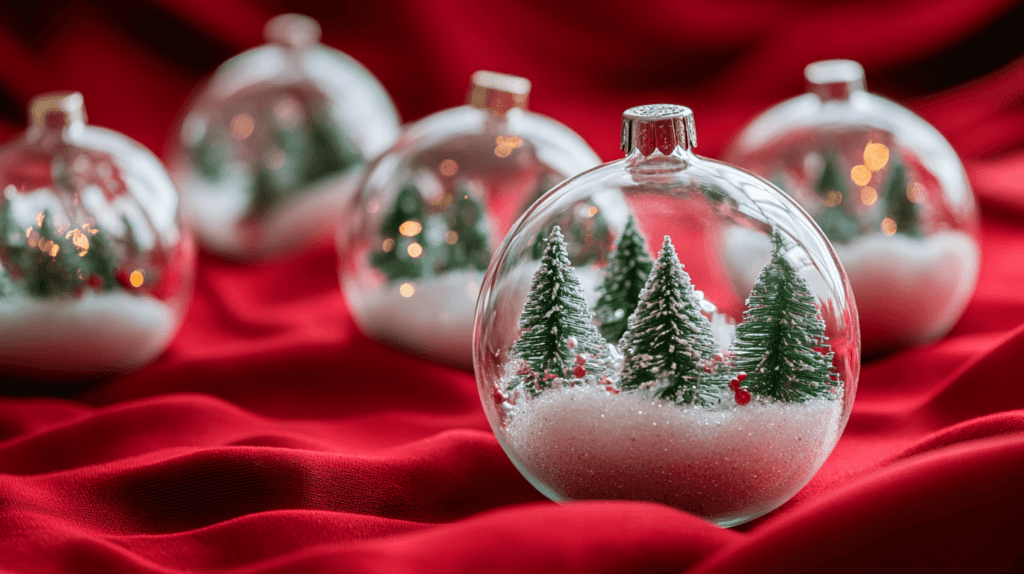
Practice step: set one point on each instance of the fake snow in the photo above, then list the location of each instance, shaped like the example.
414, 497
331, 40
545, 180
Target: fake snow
219, 214
98, 333
909, 290
435, 320
728, 464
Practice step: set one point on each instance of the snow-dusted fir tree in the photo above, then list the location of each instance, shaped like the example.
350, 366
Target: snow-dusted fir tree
779, 344
837, 223
467, 240
624, 280
898, 205
404, 252
668, 338
556, 312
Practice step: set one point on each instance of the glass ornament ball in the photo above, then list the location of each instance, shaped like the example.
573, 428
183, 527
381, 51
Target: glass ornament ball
273, 145
96, 266
432, 209
661, 381
889, 192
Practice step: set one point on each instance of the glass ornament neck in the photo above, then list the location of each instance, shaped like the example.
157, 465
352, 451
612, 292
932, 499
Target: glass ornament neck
834, 79
658, 137
293, 32
498, 93
56, 116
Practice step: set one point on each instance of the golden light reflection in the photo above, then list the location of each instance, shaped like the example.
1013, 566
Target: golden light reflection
54, 249
79, 239
389, 244
868, 196
833, 198
505, 145
448, 168
888, 226
410, 228
40, 218
916, 193
136, 278
860, 175
407, 289
452, 237
242, 126
442, 201
414, 250
876, 155
592, 211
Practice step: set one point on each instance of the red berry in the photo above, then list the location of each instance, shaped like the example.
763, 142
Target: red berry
94, 281
741, 377
612, 390
742, 396
524, 369
580, 359
734, 384
579, 372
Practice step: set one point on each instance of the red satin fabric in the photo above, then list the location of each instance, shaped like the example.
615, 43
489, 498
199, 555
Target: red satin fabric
274, 437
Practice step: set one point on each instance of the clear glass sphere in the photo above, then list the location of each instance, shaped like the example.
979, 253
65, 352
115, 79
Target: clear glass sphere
96, 267
414, 248
273, 145
662, 383
889, 192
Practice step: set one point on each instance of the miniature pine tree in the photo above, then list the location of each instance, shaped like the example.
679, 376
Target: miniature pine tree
467, 240
100, 260
777, 344
210, 154
56, 268
837, 224
555, 312
624, 280
403, 253
898, 205
329, 151
668, 338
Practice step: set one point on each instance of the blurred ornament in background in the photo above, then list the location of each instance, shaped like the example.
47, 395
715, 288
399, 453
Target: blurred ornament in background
886, 188
274, 143
433, 209
662, 381
96, 267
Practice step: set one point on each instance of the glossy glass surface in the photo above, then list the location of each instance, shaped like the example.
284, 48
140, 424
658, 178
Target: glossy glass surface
97, 268
273, 145
728, 463
411, 274
887, 189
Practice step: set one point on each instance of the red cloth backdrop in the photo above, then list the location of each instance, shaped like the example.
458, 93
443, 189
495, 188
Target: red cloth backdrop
274, 437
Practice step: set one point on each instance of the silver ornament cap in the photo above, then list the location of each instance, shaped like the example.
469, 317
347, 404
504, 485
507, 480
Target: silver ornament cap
834, 79
661, 127
498, 93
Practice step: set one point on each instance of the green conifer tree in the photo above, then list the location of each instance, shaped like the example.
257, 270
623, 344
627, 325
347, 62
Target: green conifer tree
56, 269
624, 280
837, 223
668, 338
394, 257
329, 150
467, 241
898, 204
777, 344
554, 312
100, 260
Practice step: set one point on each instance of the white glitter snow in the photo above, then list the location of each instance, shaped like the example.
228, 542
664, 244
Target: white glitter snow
435, 322
728, 464
96, 334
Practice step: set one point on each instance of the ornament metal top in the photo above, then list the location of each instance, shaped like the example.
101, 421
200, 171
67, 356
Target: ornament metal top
646, 374
432, 209
274, 143
95, 267
886, 188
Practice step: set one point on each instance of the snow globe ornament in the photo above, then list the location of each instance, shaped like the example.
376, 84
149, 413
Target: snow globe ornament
273, 145
671, 386
96, 267
886, 188
432, 210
